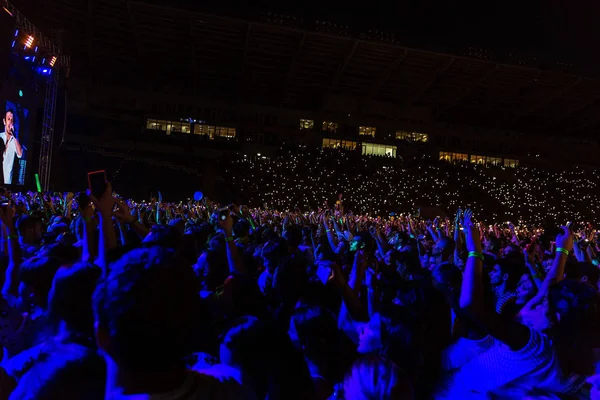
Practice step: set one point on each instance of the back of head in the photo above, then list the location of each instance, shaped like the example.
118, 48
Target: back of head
315, 330
27, 223
247, 343
241, 229
447, 244
147, 310
178, 224
291, 280
70, 299
293, 234
38, 273
583, 272
273, 253
577, 307
163, 235
447, 278
376, 378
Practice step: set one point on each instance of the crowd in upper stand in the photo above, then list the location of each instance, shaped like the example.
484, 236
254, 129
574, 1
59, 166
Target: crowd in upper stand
307, 297
379, 185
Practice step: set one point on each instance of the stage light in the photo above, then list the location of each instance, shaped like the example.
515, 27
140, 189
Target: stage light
29, 41
20, 93
53, 61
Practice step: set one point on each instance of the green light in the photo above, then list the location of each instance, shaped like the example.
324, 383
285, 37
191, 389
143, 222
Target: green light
20, 93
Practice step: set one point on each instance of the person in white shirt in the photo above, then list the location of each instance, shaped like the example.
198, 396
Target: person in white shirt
12, 147
548, 350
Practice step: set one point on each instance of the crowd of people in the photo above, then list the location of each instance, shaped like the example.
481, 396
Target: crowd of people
109, 298
379, 185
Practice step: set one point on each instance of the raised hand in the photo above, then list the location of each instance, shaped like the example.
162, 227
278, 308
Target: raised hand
105, 203
7, 215
123, 212
472, 238
565, 239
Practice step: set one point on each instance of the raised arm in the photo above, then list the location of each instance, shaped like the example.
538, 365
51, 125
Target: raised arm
233, 256
123, 214
108, 236
513, 334
11, 279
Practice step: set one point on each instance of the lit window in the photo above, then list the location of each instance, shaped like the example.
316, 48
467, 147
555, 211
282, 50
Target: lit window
511, 163
421, 137
151, 124
477, 159
175, 127
307, 124
453, 157
338, 144
373, 149
366, 131
156, 125
329, 126
495, 161
226, 132
202, 129
412, 136
186, 128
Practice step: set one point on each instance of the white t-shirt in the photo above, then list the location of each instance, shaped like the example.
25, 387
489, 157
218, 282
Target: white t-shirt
501, 370
8, 162
463, 351
196, 387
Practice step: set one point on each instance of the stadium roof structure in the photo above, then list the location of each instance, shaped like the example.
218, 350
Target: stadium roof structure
275, 62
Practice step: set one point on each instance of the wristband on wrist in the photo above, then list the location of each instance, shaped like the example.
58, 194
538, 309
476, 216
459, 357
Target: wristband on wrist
87, 219
229, 239
476, 254
596, 262
327, 230
561, 250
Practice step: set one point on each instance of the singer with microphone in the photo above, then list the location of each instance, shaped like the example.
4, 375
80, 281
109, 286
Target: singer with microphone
12, 147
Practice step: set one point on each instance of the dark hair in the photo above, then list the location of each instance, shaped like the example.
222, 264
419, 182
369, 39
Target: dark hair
274, 252
9, 110
513, 270
579, 270
38, 272
241, 228
149, 307
578, 306
26, 222
317, 331
70, 299
293, 234
163, 235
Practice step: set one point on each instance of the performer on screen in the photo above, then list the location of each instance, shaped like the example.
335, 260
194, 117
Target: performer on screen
12, 147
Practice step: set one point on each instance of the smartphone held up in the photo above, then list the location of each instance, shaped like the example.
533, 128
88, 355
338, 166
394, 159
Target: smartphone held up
97, 183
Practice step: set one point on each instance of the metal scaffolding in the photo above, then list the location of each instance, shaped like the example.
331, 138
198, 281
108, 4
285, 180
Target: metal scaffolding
47, 143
